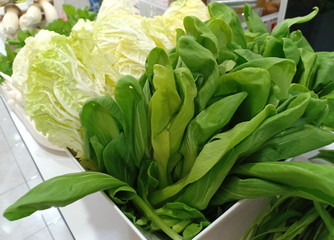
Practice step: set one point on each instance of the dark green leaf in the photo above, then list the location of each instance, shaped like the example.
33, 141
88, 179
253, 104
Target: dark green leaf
303, 139
207, 123
273, 47
117, 162
325, 70
101, 122
255, 81
213, 152
148, 179
322, 210
312, 179
130, 98
63, 190
281, 73
235, 188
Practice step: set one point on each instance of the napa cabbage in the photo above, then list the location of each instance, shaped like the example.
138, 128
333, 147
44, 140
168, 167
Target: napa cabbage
57, 74
129, 37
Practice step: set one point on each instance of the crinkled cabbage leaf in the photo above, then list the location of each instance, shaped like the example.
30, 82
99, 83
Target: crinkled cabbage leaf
58, 74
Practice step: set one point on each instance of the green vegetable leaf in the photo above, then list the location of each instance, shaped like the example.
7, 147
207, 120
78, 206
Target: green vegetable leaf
202, 34
306, 70
165, 95
156, 56
322, 209
299, 226
325, 69
73, 15
200, 61
235, 188
212, 153
229, 15
290, 50
222, 31
182, 218
63, 190
274, 125
329, 120
104, 113
300, 41
312, 179
282, 29
304, 139
255, 81
60, 26
187, 91
148, 179
281, 73
130, 99
205, 125
253, 20
288, 218
246, 55
116, 160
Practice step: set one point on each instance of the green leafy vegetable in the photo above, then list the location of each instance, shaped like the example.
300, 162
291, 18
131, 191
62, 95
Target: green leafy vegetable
282, 29
63, 190
293, 218
313, 179
254, 21
205, 125
212, 120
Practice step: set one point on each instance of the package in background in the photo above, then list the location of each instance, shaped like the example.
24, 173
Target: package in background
94, 5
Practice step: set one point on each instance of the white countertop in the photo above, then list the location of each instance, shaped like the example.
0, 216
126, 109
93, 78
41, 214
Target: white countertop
94, 217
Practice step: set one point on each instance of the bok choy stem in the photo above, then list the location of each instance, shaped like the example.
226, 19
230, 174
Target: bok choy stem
149, 212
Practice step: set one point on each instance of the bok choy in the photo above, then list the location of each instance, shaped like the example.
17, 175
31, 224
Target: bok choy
208, 123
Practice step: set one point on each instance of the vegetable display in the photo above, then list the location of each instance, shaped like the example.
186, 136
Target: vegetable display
209, 122
56, 73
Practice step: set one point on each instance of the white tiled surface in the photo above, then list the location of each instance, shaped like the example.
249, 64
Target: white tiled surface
93, 217
18, 173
